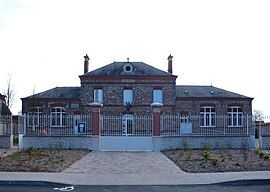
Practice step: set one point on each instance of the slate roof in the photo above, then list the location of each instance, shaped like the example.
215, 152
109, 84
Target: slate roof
59, 93
117, 69
193, 91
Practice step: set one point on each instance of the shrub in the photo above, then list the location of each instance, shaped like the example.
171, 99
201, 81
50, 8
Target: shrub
257, 151
214, 161
205, 154
207, 147
265, 157
261, 154
184, 144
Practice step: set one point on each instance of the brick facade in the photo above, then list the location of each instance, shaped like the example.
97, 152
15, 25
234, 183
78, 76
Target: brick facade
113, 79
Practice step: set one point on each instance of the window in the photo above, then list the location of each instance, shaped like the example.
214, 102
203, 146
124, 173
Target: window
157, 96
127, 97
128, 68
58, 117
98, 95
34, 117
208, 117
235, 116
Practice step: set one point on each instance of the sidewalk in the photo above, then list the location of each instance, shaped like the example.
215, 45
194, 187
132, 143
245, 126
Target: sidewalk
133, 179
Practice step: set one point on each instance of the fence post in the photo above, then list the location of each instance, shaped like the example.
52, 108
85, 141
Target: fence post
247, 125
156, 118
96, 117
24, 124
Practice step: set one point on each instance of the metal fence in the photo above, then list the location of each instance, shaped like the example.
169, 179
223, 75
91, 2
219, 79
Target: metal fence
6, 125
262, 125
126, 125
198, 125
44, 125
131, 125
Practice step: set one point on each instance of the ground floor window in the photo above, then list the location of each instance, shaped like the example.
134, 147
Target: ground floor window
58, 117
207, 116
34, 117
235, 116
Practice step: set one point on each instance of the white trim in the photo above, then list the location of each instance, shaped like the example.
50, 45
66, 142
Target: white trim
209, 116
237, 115
61, 114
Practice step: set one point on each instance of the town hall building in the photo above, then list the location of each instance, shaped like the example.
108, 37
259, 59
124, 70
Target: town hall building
134, 106
130, 88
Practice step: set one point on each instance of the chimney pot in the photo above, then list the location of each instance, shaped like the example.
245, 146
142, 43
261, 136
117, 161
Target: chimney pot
86, 63
170, 57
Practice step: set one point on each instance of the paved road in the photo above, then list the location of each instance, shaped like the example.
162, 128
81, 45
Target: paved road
204, 188
124, 163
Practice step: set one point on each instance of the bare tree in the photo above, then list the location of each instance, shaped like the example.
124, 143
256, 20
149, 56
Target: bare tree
9, 93
258, 115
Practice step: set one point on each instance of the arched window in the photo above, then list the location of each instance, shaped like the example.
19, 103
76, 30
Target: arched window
207, 116
235, 116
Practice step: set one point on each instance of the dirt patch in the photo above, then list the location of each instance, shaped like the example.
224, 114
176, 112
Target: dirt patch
225, 160
40, 160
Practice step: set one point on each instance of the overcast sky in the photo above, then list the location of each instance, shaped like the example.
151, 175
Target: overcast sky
223, 43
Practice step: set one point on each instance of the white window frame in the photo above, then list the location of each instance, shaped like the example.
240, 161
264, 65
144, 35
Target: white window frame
207, 116
235, 116
157, 96
34, 118
58, 112
127, 97
98, 95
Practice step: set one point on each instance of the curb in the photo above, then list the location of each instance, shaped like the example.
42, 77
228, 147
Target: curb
30, 183
244, 182
227, 183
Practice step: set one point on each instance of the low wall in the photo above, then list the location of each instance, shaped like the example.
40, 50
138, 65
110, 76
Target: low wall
265, 142
59, 142
6, 141
197, 142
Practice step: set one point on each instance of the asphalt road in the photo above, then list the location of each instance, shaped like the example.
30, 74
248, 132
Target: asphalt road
204, 188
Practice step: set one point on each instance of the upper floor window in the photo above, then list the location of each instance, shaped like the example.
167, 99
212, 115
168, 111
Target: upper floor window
127, 97
157, 96
235, 116
208, 116
34, 117
98, 95
58, 116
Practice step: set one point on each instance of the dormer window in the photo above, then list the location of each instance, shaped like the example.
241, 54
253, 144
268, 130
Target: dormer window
128, 68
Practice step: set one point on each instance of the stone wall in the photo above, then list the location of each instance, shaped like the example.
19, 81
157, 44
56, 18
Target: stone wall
265, 142
58, 142
199, 142
6, 141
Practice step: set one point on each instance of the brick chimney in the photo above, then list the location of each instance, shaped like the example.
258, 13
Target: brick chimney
86, 63
170, 64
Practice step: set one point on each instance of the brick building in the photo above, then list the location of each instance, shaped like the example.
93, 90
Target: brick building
130, 88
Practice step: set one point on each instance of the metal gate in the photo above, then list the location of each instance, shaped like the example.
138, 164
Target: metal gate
126, 133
